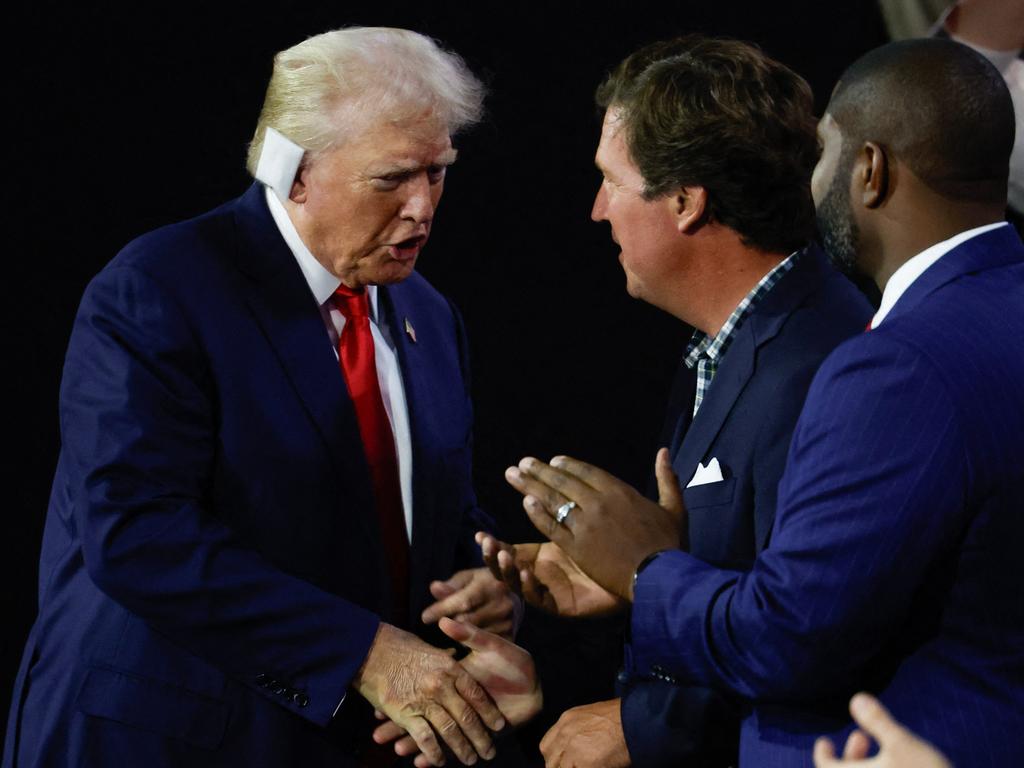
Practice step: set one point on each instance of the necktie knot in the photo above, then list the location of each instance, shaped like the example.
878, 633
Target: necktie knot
352, 302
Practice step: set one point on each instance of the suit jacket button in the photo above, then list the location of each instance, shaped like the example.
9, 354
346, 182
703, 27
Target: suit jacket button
300, 699
623, 676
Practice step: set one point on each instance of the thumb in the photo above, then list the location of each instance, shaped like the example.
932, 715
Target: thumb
670, 498
465, 633
874, 718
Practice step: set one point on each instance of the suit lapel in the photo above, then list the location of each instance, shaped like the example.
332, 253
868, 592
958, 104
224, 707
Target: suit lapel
739, 363
730, 379
282, 305
394, 302
995, 248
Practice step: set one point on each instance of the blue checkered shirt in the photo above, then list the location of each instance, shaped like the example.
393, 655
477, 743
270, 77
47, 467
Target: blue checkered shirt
706, 353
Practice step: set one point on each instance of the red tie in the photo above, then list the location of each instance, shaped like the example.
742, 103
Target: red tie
355, 351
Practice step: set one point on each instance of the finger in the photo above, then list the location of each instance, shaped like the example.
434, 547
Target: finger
462, 601
441, 589
530, 486
389, 731
495, 611
490, 549
508, 572
423, 735
670, 497
455, 582
468, 703
566, 483
550, 745
379, 715
421, 762
502, 628
545, 522
446, 716
874, 718
587, 474
857, 746
824, 754
406, 746
474, 638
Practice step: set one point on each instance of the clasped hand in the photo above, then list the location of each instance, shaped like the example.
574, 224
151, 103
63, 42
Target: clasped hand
500, 671
428, 693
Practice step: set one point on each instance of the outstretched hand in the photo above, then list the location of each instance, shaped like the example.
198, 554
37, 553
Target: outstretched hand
546, 578
610, 527
476, 597
504, 670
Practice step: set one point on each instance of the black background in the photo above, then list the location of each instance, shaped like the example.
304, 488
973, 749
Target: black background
126, 120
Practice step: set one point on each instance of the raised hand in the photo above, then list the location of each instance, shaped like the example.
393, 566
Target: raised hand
505, 671
547, 578
897, 746
605, 526
425, 691
475, 597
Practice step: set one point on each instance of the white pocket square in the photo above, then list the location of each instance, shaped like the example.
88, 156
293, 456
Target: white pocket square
712, 473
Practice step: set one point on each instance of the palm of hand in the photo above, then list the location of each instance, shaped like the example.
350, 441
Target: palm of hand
566, 590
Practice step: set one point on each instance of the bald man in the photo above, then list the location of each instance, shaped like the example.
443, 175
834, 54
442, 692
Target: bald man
894, 559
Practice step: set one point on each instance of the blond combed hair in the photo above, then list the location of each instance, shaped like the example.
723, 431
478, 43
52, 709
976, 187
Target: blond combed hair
330, 86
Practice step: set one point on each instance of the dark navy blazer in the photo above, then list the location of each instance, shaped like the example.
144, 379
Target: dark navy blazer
211, 572
895, 556
745, 421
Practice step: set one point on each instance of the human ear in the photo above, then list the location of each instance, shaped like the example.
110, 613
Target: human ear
297, 194
688, 206
872, 175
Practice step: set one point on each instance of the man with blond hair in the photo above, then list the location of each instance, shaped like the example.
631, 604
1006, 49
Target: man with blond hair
266, 453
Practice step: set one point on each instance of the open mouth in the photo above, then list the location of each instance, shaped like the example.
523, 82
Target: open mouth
409, 247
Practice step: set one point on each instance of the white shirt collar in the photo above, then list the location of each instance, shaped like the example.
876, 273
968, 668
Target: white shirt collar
321, 282
914, 267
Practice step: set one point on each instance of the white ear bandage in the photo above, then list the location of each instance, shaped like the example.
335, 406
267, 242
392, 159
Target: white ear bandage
279, 162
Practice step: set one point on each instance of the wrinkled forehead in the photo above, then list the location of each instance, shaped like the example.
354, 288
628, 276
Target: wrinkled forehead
358, 121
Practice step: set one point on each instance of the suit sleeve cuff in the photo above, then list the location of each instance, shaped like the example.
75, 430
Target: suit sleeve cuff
671, 600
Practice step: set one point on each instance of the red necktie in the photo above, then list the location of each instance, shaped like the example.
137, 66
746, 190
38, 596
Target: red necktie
355, 351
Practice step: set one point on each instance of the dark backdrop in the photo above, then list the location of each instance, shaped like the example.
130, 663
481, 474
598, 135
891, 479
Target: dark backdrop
124, 121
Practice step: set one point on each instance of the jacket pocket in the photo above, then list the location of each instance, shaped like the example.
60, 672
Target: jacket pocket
709, 494
153, 706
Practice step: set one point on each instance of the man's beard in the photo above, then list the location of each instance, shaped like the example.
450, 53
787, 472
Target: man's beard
838, 230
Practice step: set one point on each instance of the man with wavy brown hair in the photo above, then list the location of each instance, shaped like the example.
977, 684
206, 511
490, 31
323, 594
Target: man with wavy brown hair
706, 153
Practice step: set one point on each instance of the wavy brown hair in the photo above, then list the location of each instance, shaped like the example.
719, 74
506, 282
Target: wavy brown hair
722, 115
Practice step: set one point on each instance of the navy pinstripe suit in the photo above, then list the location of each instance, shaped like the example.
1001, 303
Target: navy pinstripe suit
894, 563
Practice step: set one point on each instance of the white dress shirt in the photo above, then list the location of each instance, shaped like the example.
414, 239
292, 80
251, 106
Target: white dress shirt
913, 268
322, 285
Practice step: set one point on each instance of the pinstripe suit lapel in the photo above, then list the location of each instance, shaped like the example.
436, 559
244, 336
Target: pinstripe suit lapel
991, 249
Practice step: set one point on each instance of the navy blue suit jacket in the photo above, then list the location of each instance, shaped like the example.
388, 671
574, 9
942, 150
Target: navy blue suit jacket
745, 421
211, 572
894, 563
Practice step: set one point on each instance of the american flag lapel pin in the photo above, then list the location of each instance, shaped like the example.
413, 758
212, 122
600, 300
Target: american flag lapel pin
410, 330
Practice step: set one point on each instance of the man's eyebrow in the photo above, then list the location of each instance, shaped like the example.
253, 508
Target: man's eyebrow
401, 167
604, 171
